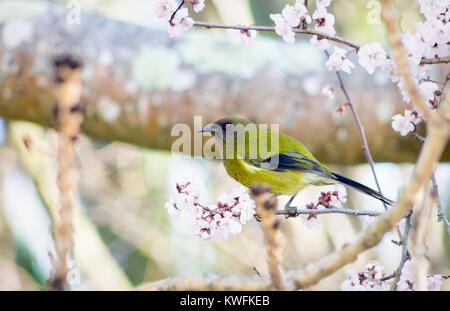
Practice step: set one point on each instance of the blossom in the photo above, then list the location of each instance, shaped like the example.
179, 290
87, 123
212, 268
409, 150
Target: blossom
339, 61
295, 14
320, 43
242, 36
371, 56
433, 8
164, 8
407, 279
282, 28
323, 3
221, 220
369, 280
388, 67
180, 23
414, 116
324, 21
311, 221
428, 90
328, 91
402, 124
330, 196
197, 5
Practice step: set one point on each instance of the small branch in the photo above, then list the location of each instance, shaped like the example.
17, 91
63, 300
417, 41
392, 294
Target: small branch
306, 32
265, 207
441, 212
405, 254
68, 118
295, 212
271, 28
444, 60
365, 145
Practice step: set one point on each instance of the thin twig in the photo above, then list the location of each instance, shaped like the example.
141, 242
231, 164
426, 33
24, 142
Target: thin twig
441, 212
405, 253
295, 212
265, 208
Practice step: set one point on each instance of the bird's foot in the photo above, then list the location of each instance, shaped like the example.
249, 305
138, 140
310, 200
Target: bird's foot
291, 211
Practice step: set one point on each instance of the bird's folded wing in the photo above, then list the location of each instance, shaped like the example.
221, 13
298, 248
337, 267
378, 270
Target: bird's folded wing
294, 161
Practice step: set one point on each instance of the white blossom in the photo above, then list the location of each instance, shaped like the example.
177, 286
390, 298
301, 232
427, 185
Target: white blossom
414, 116
402, 124
428, 89
328, 91
282, 28
197, 5
371, 56
339, 61
320, 43
388, 67
323, 3
295, 14
242, 36
369, 280
221, 220
180, 23
164, 8
324, 21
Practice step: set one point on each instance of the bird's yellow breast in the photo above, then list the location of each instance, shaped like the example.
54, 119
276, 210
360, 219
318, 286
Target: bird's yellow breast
286, 183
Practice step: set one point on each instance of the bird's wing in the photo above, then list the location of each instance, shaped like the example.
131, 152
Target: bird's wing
294, 161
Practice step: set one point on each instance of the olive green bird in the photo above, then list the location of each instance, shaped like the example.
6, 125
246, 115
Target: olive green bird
287, 169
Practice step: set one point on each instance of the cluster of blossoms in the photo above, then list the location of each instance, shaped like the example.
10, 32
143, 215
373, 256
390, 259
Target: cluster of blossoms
179, 22
373, 279
370, 280
332, 196
407, 122
217, 221
296, 16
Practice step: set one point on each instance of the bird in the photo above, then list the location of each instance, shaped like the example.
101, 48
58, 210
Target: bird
283, 163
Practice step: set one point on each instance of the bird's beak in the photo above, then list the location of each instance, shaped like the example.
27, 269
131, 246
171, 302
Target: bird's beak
208, 128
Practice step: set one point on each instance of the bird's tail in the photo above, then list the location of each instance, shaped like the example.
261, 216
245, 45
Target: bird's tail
362, 188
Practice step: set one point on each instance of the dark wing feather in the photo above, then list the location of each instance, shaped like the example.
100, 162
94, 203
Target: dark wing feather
294, 161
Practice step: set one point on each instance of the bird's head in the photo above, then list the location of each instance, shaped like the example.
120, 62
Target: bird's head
226, 126
235, 137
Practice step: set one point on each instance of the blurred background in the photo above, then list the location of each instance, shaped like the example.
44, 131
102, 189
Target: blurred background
138, 84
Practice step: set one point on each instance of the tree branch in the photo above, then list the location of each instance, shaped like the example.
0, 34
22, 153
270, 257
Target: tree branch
295, 212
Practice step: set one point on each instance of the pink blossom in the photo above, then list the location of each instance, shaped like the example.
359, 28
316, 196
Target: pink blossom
388, 67
428, 90
328, 91
339, 61
371, 56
